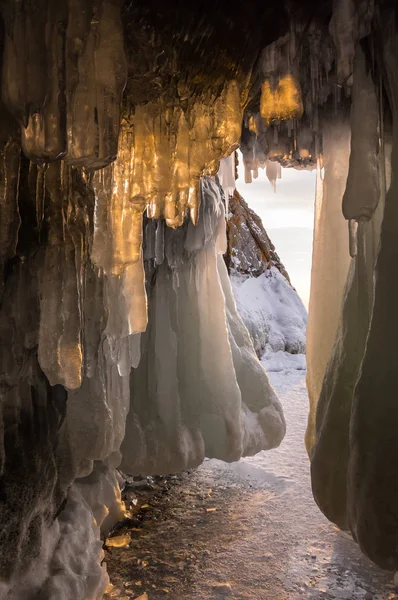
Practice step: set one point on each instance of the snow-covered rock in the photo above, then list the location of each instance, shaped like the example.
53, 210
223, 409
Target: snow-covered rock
272, 312
250, 250
270, 307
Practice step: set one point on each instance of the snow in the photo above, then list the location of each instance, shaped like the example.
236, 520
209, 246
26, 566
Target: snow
272, 312
275, 362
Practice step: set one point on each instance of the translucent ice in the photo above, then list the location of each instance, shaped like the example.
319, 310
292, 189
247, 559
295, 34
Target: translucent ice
328, 276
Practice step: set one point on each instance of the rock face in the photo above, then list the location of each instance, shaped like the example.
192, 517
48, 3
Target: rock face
269, 306
250, 250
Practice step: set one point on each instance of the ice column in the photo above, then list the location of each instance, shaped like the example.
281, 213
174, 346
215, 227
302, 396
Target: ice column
199, 389
362, 191
330, 260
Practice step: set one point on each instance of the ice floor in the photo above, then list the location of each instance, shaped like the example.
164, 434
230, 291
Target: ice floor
249, 530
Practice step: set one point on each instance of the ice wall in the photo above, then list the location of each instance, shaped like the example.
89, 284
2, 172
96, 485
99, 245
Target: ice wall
353, 459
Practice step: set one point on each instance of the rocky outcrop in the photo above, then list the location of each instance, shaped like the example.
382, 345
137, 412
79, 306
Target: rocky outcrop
250, 250
269, 306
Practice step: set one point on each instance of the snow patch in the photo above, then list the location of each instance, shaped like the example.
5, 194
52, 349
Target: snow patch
275, 317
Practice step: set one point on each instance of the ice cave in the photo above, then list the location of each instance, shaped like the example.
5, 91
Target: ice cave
123, 349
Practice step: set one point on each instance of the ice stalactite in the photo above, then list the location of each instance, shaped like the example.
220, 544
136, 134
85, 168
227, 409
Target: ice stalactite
270, 132
96, 72
226, 176
32, 76
282, 104
330, 260
273, 171
9, 212
183, 393
117, 242
361, 195
351, 20
120, 337
344, 30
64, 71
60, 346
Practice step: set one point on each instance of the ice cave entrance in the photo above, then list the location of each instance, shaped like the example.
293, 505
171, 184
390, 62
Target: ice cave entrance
288, 217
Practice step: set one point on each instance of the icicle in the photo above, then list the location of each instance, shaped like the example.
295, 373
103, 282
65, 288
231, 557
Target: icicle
328, 277
362, 192
248, 174
149, 239
126, 301
118, 214
130, 352
9, 213
60, 349
96, 73
344, 31
194, 202
253, 125
33, 83
283, 103
273, 171
180, 168
159, 242
352, 237
226, 175
227, 124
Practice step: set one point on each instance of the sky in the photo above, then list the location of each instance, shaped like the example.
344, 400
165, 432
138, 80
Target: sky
288, 217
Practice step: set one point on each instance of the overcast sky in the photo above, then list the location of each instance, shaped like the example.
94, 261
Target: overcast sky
287, 217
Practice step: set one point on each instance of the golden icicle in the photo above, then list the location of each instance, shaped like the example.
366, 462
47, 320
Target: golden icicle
282, 103
180, 171
253, 125
118, 214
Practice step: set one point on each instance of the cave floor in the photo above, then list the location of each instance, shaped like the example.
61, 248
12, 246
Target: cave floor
248, 530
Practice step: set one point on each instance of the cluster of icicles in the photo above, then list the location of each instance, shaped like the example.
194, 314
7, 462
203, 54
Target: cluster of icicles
160, 161
298, 80
64, 71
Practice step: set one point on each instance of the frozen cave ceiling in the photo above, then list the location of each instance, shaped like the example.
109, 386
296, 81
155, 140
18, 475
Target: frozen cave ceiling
120, 340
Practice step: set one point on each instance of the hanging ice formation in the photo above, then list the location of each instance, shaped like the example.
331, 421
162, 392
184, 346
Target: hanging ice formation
120, 341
